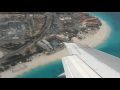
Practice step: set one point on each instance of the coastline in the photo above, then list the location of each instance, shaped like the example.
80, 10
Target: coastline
96, 39
37, 60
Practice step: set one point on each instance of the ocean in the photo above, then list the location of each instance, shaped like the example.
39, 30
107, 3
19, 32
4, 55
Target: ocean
111, 45
51, 70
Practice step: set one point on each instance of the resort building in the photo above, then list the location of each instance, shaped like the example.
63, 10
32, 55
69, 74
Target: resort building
43, 46
62, 37
47, 43
1, 54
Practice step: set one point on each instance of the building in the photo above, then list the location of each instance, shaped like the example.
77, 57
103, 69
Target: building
62, 37
47, 43
15, 37
1, 54
43, 46
50, 37
10, 29
61, 18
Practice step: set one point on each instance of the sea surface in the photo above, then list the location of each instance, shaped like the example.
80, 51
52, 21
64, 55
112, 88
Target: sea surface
51, 70
111, 45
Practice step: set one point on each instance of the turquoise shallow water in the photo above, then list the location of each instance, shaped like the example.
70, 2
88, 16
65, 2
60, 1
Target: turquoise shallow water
51, 70
111, 45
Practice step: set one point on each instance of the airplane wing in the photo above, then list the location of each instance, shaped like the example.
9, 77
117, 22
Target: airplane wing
86, 62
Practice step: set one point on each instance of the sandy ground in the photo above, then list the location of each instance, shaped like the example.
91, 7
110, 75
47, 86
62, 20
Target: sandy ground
38, 59
97, 38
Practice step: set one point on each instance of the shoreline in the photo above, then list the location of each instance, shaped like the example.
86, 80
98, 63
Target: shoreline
37, 60
98, 38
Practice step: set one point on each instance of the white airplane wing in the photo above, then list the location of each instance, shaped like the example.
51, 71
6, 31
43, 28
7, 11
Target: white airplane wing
86, 62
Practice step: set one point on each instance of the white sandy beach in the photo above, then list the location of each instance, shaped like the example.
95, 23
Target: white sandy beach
36, 61
92, 41
97, 38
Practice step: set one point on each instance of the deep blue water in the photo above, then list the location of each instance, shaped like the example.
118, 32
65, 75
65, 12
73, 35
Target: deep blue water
111, 45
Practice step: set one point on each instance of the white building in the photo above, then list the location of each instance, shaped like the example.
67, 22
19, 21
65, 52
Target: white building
15, 37
1, 54
43, 45
47, 43
62, 37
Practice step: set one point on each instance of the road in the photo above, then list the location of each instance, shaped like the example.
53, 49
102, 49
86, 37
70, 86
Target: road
45, 28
